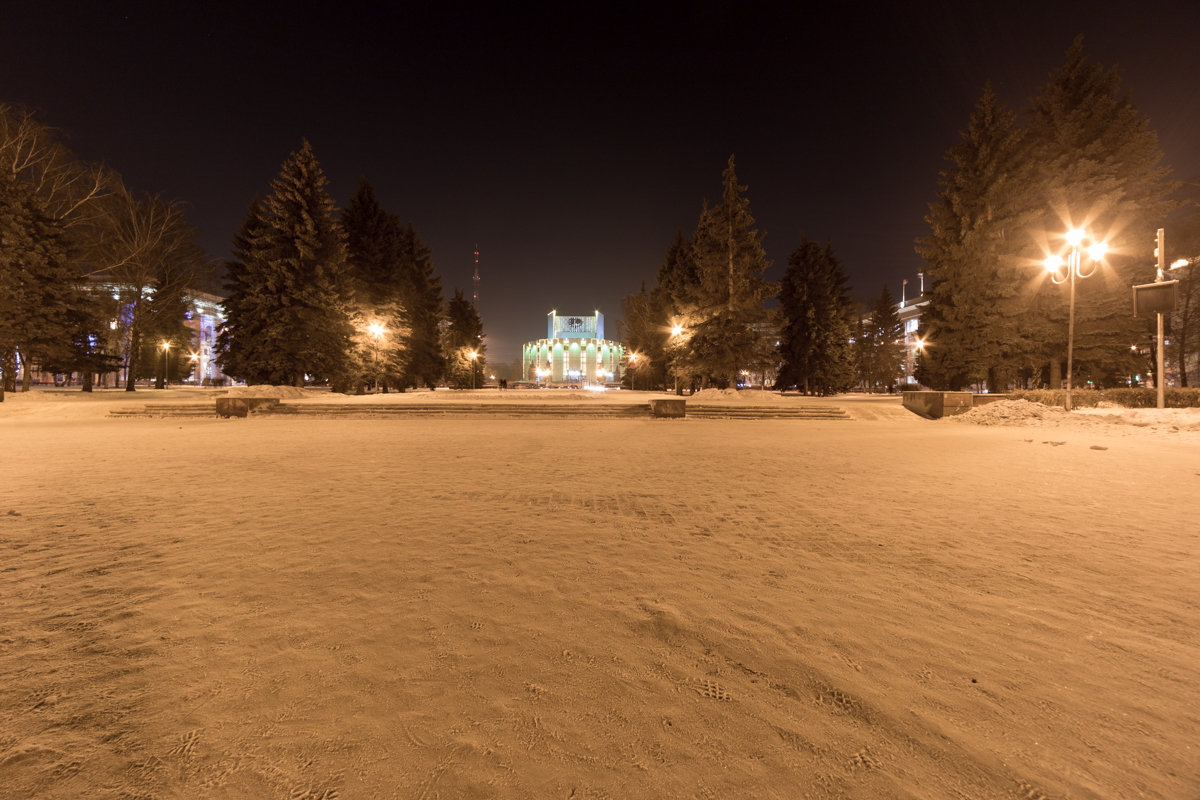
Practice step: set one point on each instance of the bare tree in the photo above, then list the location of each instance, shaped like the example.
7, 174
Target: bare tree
37, 167
34, 154
149, 253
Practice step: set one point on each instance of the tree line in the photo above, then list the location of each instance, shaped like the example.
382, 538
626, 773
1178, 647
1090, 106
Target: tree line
68, 228
95, 278
706, 322
1081, 157
349, 300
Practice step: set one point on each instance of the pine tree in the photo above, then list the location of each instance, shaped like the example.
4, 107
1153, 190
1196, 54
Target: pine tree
1183, 241
816, 309
646, 335
249, 303
465, 344
1099, 168
724, 314
294, 289
38, 290
669, 308
883, 334
51, 201
421, 296
375, 247
977, 223
677, 281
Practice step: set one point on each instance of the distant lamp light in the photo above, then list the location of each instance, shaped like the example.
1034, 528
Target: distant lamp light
1181, 262
376, 329
676, 330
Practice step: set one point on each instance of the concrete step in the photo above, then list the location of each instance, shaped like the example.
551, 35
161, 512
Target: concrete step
167, 410
766, 412
456, 409
513, 410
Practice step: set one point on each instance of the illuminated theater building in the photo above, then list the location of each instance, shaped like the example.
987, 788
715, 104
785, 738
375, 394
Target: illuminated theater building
574, 352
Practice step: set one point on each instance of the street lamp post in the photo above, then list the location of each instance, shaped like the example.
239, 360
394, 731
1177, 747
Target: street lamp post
474, 356
1067, 271
166, 346
376, 330
676, 332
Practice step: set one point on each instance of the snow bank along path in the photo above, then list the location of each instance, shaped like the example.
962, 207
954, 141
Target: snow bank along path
330, 608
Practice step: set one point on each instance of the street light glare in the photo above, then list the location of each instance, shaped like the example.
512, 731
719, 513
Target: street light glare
1075, 236
678, 329
1097, 251
376, 329
1182, 262
1053, 262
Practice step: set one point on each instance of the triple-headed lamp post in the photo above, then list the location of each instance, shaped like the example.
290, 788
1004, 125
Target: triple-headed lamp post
1067, 271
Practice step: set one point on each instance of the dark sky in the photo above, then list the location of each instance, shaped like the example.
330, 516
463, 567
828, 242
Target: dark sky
571, 142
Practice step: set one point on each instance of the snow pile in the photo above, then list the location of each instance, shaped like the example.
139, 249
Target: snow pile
1026, 413
1167, 420
1013, 412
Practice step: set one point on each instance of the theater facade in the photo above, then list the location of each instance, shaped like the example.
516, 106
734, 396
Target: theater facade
574, 353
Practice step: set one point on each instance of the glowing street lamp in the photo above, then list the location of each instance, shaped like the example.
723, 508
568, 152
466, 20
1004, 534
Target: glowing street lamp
1067, 271
166, 347
676, 332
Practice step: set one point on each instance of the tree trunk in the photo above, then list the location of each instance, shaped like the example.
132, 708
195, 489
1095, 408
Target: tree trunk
85, 381
135, 343
1056, 376
8, 365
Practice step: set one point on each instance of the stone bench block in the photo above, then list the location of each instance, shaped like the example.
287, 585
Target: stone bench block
668, 407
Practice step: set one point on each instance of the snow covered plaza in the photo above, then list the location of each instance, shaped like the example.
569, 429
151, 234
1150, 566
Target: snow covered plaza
475, 606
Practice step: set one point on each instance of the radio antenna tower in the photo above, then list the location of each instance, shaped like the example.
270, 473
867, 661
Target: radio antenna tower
475, 281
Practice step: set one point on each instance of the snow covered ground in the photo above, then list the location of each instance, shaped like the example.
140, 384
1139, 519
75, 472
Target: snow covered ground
1003, 605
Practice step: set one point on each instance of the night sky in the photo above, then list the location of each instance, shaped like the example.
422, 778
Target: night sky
571, 143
